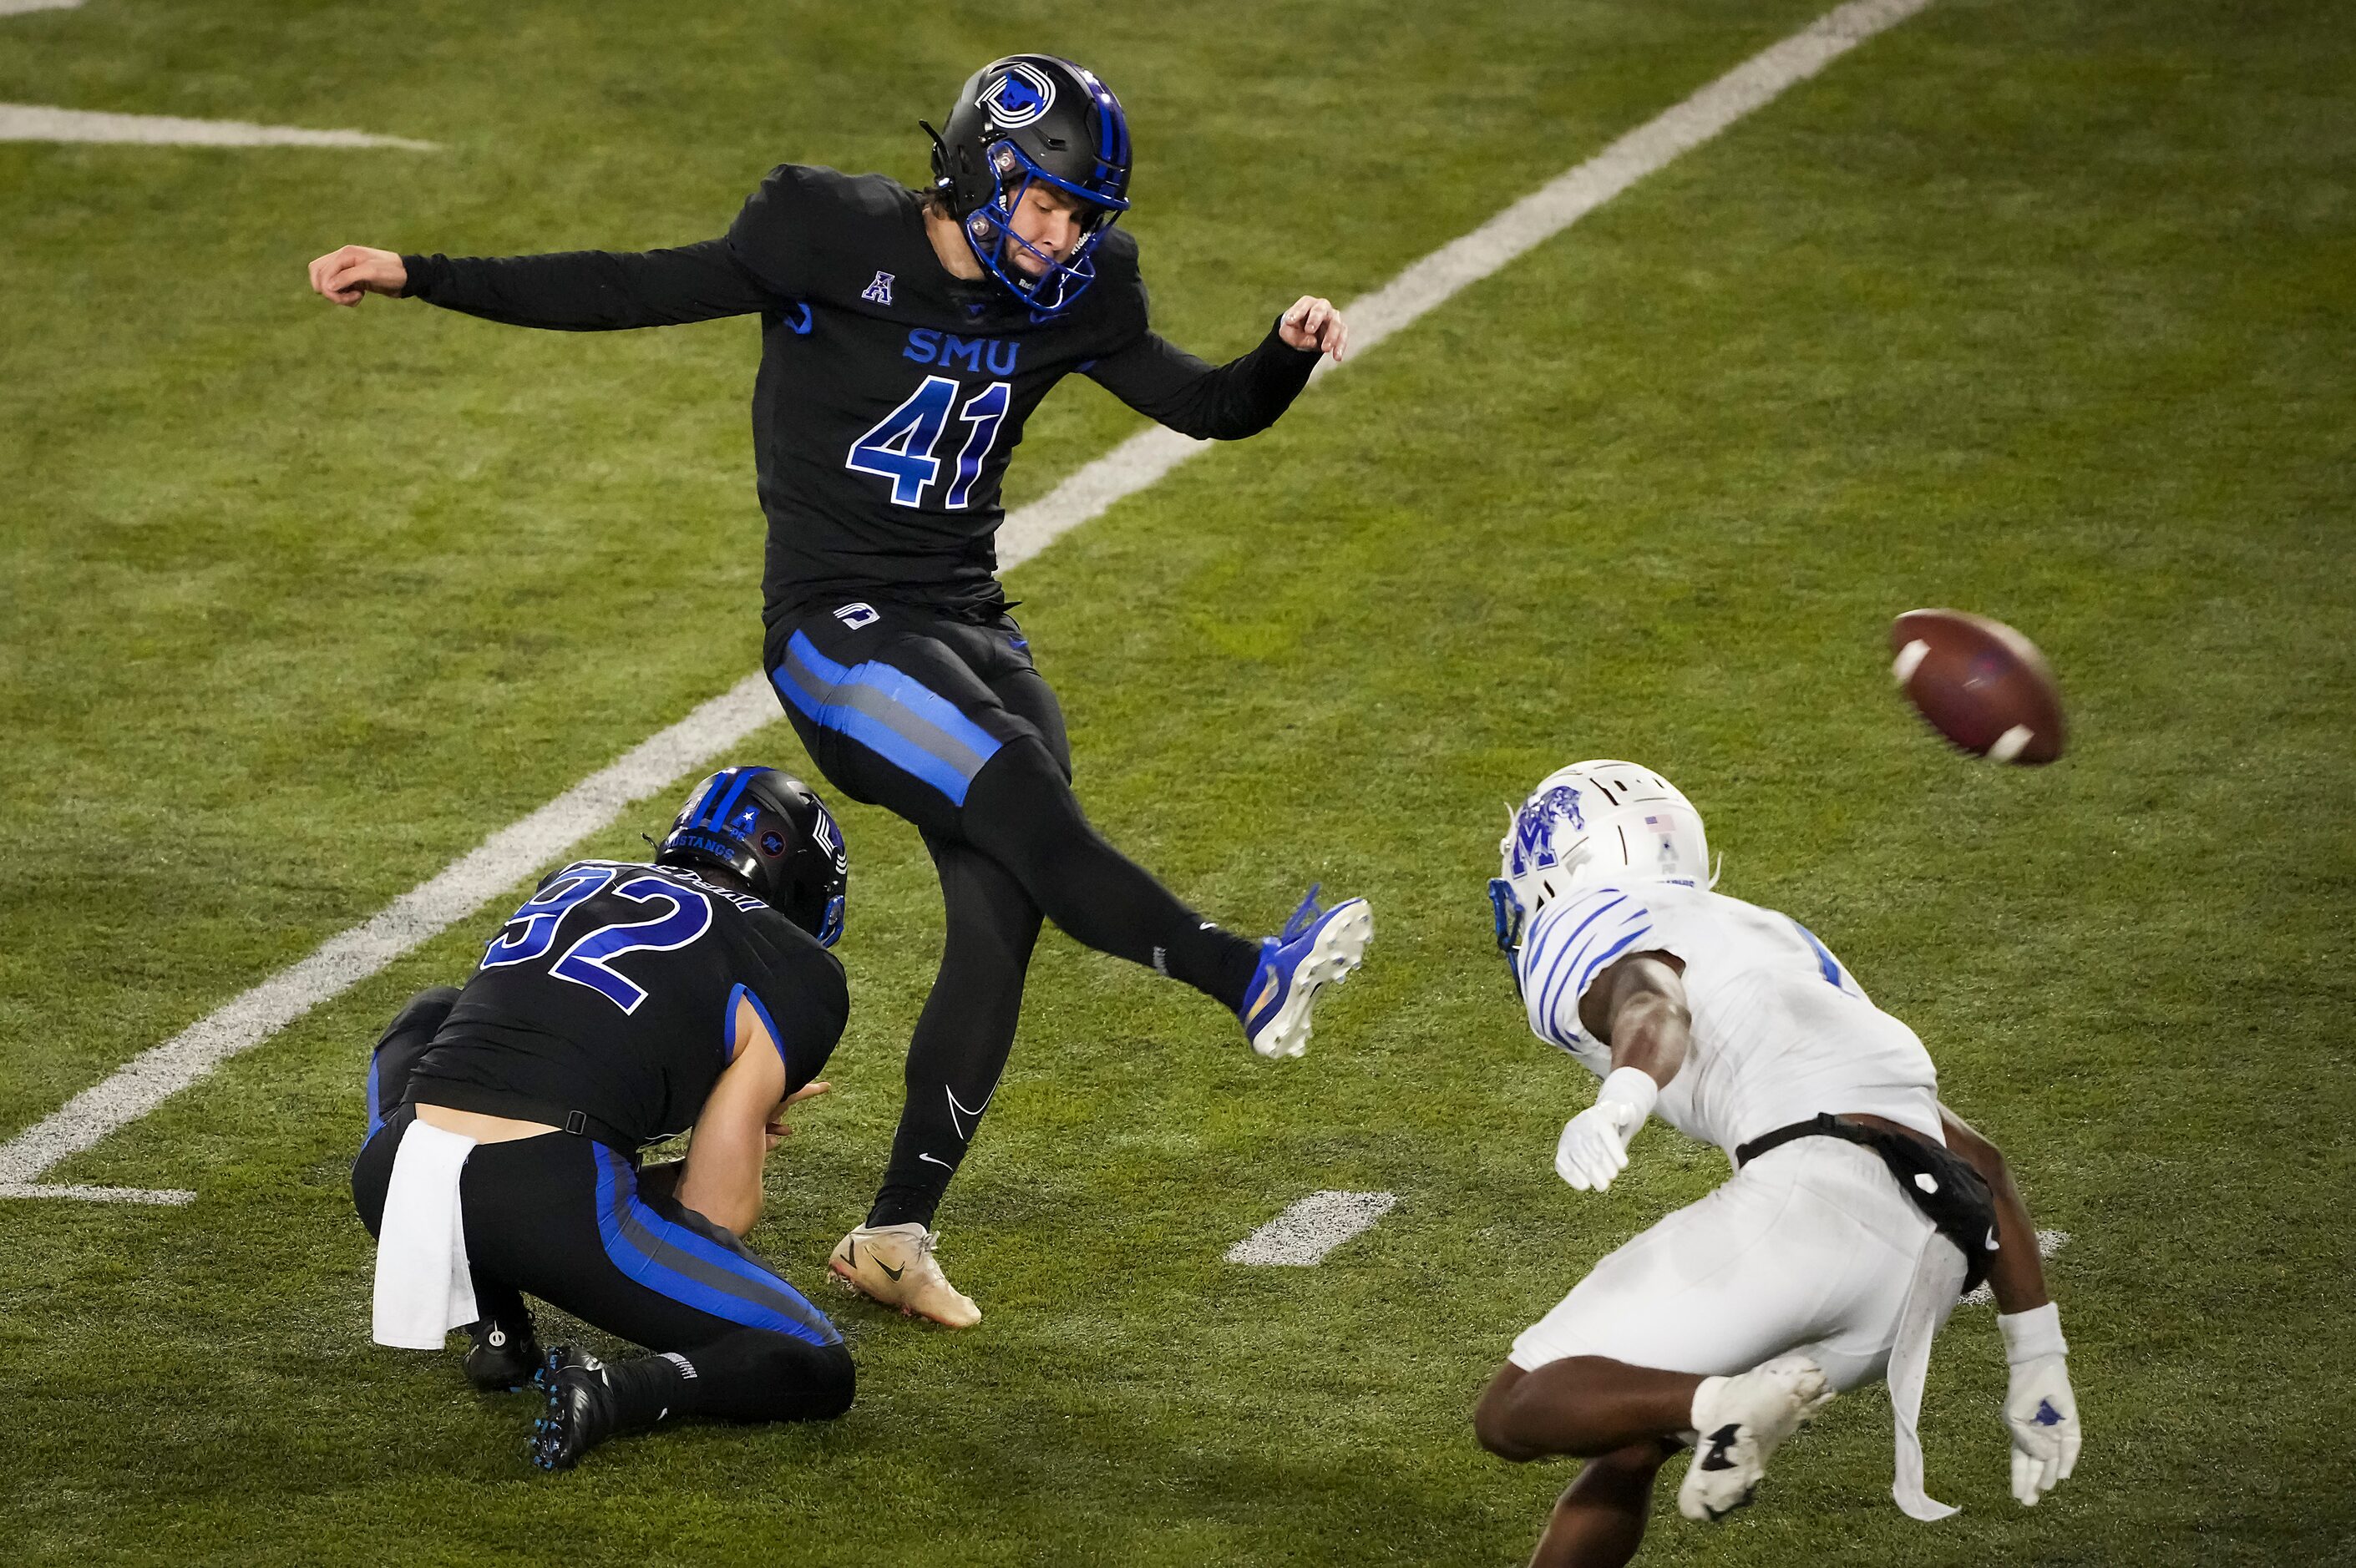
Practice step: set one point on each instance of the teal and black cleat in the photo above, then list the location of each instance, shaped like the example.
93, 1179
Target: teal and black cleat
1315, 947
581, 1409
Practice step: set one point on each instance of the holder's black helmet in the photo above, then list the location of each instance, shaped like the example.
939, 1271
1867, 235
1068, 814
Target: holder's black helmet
1026, 120
770, 830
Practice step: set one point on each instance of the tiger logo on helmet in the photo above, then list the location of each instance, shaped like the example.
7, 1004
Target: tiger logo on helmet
1594, 821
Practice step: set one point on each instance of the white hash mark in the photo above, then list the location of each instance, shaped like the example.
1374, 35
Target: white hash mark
1304, 1233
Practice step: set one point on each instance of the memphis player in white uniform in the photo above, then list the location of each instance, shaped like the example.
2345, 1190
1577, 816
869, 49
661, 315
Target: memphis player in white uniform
1859, 1208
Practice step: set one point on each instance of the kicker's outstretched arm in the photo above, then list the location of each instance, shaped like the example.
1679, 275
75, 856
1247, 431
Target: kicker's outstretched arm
1241, 398
572, 291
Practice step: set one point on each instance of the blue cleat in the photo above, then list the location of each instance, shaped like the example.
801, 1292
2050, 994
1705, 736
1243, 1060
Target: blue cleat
1315, 946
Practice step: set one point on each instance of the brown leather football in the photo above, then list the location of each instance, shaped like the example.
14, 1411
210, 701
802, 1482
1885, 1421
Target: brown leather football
1981, 684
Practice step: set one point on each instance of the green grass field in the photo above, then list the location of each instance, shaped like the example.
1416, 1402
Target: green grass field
2045, 311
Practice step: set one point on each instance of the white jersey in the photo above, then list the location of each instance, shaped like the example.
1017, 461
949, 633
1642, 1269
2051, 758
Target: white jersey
1780, 1029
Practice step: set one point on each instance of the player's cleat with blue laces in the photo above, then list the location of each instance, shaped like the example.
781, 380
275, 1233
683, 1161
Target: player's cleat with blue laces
582, 1410
1316, 947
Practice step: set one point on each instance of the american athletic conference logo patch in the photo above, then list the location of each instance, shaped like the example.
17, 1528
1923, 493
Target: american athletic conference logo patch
1018, 98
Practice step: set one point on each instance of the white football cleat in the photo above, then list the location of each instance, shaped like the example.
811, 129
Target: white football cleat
893, 1265
1316, 948
1742, 1420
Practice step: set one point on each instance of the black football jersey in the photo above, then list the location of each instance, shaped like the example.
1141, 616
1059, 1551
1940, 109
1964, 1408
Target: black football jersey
891, 392
610, 992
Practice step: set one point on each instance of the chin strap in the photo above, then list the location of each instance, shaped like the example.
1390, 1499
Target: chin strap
1506, 910
942, 180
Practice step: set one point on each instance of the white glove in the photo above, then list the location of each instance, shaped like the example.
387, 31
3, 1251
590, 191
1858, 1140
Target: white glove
2039, 1408
1594, 1144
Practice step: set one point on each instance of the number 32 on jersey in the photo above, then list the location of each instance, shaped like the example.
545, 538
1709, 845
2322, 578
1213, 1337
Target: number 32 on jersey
681, 915
900, 446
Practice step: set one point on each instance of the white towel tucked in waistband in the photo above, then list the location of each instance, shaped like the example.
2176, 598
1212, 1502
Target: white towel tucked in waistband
1930, 1297
423, 1288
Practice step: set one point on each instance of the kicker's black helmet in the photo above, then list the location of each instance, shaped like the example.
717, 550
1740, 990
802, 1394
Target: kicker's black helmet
1025, 120
770, 830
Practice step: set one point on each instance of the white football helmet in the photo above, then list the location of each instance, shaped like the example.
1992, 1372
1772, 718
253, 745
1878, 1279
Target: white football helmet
1593, 822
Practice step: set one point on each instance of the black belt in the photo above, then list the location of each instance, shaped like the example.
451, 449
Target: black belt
518, 1108
1824, 1125
1952, 1195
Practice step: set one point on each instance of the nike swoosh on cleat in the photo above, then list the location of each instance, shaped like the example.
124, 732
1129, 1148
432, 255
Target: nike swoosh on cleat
1268, 991
895, 1273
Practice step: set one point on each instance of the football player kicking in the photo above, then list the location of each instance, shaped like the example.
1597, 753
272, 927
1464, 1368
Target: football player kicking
1859, 1208
906, 335
620, 1005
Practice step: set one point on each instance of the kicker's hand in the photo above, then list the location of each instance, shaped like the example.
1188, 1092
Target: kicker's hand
1313, 323
2039, 1408
1594, 1144
345, 276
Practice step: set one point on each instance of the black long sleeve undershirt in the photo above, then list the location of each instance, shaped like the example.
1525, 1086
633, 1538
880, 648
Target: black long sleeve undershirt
1241, 398
608, 290
593, 290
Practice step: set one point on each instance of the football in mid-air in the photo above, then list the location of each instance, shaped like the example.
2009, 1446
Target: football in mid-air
1981, 684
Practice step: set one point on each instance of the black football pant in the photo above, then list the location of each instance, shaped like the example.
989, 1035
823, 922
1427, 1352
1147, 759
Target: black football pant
945, 721
561, 1218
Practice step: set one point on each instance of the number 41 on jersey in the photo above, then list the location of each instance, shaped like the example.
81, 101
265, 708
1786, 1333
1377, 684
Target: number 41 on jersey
900, 446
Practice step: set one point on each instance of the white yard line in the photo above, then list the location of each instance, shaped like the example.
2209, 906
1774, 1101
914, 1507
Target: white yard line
507, 858
2047, 1243
502, 861
1545, 212
1304, 1233
38, 122
169, 1196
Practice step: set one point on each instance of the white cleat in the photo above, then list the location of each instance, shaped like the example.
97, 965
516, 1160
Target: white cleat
1742, 1420
893, 1265
1317, 948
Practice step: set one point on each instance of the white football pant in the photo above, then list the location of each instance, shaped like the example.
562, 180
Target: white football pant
1810, 1247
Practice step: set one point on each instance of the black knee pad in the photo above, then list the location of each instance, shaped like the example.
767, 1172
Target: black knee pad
837, 1383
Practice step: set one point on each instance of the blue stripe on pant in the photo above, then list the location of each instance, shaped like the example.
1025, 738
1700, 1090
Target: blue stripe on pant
692, 1269
889, 713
